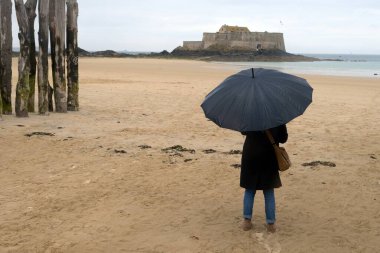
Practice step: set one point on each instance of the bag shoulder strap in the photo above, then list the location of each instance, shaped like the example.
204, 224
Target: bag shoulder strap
270, 137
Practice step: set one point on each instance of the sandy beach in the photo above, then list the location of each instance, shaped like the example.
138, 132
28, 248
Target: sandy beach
107, 179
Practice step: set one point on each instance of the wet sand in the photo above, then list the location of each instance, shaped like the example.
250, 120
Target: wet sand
110, 177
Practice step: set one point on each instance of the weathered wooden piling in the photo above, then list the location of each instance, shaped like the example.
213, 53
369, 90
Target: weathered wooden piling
6, 55
43, 67
22, 89
30, 7
58, 60
72, 56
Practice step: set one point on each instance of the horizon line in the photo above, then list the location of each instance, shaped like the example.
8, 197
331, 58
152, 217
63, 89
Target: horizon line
17, 49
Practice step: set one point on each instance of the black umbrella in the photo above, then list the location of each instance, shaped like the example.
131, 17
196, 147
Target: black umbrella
257, 99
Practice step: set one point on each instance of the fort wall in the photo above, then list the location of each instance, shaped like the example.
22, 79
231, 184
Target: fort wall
193, 45
238, 38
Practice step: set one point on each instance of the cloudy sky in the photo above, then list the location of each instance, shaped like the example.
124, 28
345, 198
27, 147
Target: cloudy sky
309, 26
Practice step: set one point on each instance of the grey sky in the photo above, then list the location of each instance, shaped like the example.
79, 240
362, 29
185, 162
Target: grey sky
322, 26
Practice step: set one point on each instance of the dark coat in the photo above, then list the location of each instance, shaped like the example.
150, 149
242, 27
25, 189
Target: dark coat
259, 168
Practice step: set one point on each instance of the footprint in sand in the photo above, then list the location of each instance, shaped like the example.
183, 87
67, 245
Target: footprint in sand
269, 241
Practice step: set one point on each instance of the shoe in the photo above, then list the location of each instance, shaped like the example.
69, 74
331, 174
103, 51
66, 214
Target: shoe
271, 228
246, 225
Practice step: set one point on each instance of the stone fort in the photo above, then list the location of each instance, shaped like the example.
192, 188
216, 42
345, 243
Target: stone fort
235, 37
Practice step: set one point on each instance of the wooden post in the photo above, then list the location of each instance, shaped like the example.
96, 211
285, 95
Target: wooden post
1, 101
43, 68
30, 6
72, 56
1, 72
22, 89
50, 97
52, 50
6, 55
59, 78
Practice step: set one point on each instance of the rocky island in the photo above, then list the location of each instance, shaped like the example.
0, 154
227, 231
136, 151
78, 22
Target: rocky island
235, 43
230, 43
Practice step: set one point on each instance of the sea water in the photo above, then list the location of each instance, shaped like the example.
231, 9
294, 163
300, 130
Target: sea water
330, 64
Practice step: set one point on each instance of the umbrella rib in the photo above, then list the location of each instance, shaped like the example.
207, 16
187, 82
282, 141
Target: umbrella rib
293, 110
229, 107
224, 92
245, 103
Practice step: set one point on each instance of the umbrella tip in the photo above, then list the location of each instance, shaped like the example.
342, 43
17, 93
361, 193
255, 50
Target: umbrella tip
253, 73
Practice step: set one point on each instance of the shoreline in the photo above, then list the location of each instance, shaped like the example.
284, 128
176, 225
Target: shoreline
322, 68
289, 67
304, 68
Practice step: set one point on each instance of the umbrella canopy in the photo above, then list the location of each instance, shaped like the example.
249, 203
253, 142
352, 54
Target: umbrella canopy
257, 99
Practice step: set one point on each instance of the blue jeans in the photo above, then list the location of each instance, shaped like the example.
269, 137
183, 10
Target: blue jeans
270, 204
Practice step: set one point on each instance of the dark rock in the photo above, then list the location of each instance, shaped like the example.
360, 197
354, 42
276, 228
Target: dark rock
144, 146
104, 53
234, 152
209, 151
107, 53
220, 53
213, 53
82, 52
164, 53
120, 151
194, 237
316, 163
175, 153
39, 133
178, 148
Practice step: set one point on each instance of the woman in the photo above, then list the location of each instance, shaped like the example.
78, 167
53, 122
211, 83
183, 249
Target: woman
259, 171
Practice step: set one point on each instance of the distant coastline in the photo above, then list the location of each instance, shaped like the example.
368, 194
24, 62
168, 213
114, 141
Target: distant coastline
213, 54
371, 62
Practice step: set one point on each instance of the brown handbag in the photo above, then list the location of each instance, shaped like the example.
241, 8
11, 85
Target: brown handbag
281, 154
